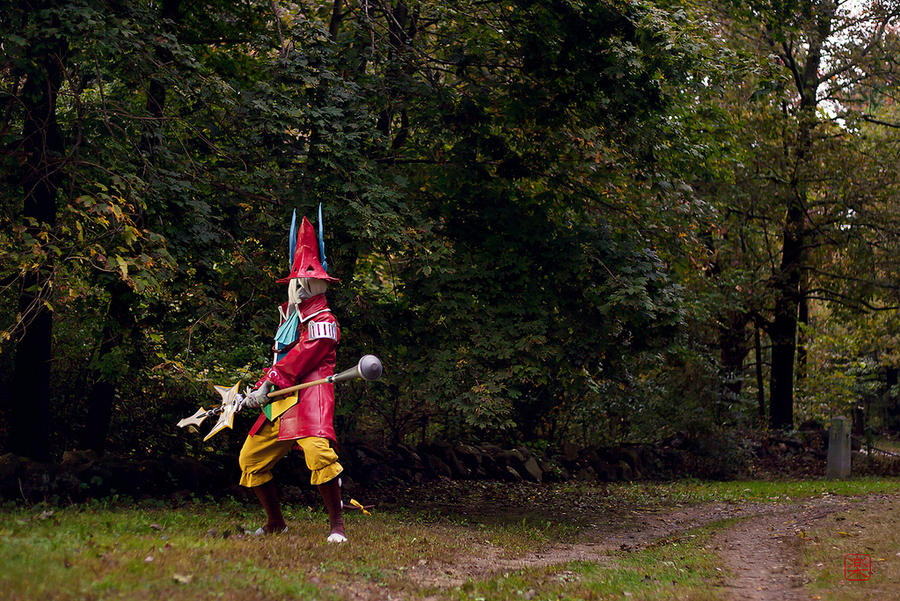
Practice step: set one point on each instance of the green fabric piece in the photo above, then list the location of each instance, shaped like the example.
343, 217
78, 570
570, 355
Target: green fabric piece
287, 333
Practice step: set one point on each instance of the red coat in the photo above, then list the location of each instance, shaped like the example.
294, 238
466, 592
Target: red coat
309, 359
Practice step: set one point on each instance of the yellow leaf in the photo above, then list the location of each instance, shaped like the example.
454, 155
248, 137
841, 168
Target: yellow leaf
123, 266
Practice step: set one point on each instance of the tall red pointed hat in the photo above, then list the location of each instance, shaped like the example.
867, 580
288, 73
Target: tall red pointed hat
306, 262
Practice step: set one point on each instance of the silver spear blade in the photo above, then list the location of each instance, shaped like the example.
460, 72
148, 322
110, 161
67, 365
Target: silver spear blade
194, 420
232, 401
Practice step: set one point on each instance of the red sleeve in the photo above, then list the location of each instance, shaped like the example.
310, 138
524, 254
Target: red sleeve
303, 358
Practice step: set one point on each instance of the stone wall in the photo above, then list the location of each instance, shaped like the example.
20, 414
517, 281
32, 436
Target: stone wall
81, 474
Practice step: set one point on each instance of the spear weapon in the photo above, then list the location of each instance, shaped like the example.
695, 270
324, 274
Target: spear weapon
368, 368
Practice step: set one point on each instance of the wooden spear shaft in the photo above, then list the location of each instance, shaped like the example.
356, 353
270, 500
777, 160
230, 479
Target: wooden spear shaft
368, 368
290, 389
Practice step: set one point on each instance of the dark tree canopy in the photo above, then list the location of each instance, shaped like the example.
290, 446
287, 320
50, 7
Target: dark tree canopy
552, 220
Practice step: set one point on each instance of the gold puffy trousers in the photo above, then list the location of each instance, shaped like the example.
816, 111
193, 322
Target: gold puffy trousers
263, 450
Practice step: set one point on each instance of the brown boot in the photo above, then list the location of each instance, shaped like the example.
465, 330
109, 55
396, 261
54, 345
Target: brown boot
268, 497
331, 494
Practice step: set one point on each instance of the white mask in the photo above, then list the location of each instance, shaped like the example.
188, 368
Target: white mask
300, 289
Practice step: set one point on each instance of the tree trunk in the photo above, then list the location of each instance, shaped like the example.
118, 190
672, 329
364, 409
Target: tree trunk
43, 149
781, 380
892, 401
100, 404
118, 330
118, 322
733, 350
337, 16
803, 330
783, 331
170, 10
760, 384
795, 233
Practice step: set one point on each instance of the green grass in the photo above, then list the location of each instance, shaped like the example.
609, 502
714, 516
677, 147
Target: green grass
690, 492
873, 530
198, 550
150, 551
143, 551
678, 568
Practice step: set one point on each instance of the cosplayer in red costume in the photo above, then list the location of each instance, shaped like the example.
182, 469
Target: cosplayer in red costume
304, 351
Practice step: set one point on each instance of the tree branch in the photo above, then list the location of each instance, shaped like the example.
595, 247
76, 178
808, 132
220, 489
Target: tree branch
876, 37
880, 122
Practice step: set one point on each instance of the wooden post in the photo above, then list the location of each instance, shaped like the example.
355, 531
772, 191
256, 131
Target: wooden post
838, 449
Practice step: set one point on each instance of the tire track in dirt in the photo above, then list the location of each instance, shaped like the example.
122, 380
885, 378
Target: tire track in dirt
758, 550
636, 531
762, 553
760, 560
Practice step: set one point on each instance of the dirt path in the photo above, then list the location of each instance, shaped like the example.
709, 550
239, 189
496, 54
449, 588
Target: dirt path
635, 531
759, 550
762, 553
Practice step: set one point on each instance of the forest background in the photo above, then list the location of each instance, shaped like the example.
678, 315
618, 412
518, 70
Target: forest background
554, 220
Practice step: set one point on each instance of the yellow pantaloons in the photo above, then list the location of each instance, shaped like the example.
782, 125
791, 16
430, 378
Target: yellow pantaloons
263, 450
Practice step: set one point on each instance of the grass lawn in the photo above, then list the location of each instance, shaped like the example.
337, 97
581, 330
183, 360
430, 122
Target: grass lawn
869, 535
681, 567
199, 550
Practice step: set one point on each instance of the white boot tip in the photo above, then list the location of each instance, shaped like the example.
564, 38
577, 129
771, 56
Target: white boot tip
264, 532
334, 537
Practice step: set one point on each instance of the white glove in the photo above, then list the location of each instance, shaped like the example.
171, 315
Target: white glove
254, 399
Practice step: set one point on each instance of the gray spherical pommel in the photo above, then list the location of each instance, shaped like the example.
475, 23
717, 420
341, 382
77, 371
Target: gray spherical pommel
369, 367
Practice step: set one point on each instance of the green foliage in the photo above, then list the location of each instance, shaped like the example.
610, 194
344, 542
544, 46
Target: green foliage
546, 216
774, 146
851, 359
